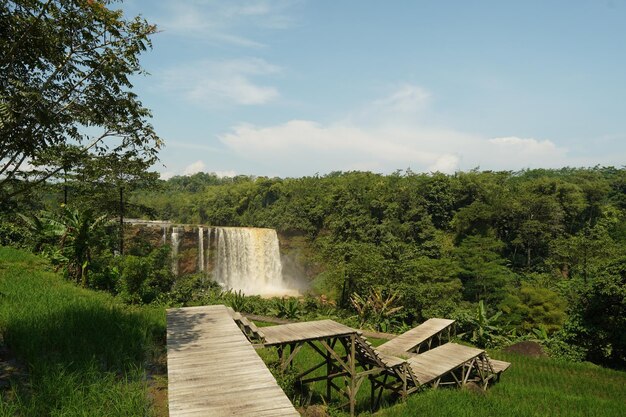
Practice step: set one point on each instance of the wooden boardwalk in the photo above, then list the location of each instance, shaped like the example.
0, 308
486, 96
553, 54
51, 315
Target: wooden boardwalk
301, 332
213, 370
438, 362
412, 340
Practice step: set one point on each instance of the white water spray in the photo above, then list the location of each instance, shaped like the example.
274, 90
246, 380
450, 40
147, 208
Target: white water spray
200, 249
248, 259
175, 244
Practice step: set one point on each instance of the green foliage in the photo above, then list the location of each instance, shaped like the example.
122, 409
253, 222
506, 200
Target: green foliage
287, 308
532, 307
431, 287
536, 244
61, 75
237, 300
483, 270
376, 309
484, 331
76, 235
84, 350
523, 241
143, 278
598, 320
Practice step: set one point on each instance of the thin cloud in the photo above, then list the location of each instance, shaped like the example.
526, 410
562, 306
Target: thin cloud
221, 83
225, 174
218, 21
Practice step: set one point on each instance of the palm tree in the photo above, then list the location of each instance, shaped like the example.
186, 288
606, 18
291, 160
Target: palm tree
75, 231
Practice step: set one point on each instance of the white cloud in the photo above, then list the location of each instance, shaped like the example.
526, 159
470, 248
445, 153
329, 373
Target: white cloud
341, 147
220, 21
404, 104
406, 99
385, 143
166, 175
445, 163
194, 168
222, 174
524, 145
218, 83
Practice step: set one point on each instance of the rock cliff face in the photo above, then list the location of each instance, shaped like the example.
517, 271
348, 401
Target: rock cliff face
246, 259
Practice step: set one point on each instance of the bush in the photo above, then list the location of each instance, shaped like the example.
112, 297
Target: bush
143, 279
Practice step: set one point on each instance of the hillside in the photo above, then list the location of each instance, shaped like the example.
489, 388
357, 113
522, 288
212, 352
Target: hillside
84, 353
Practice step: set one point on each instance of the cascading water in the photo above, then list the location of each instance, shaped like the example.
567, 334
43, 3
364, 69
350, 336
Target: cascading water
248, 259
200, 249
208, 249
175, 244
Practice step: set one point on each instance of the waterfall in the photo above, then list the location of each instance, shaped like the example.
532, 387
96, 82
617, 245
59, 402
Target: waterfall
175, 245
208, 249
248, 259
200, 249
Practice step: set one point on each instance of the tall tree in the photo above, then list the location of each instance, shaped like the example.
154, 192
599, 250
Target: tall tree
114, 177
65, 68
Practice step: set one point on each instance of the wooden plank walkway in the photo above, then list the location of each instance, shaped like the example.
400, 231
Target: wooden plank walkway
437, 362
409, 340
308, 330
214, 371
276, 320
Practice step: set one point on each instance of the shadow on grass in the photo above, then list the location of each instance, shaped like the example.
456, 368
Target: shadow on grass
115, 338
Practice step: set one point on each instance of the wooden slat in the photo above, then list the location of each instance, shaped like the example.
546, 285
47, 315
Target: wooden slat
409, 340
214, 371
499, 366
441, 360
300, 332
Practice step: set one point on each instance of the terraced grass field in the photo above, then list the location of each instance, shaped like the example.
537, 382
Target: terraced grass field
84, 353
531, 387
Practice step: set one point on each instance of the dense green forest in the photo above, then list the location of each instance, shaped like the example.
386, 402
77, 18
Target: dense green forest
544, 250
537, 254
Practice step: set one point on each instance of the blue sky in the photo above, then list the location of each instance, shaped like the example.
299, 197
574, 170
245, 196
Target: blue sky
293, 88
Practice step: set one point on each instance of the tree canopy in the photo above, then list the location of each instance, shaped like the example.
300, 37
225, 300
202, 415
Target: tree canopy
65, 84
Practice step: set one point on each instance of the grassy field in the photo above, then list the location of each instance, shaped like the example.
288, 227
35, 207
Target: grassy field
85, 353
531, 387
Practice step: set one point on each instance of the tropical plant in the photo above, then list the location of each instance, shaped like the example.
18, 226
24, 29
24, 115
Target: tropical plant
41, 231
76, 232
376, 308
484, 331
287, 308
236, 300
541, 334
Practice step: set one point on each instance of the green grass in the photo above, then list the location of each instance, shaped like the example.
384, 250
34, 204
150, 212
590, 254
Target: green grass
85, 352
531, 387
